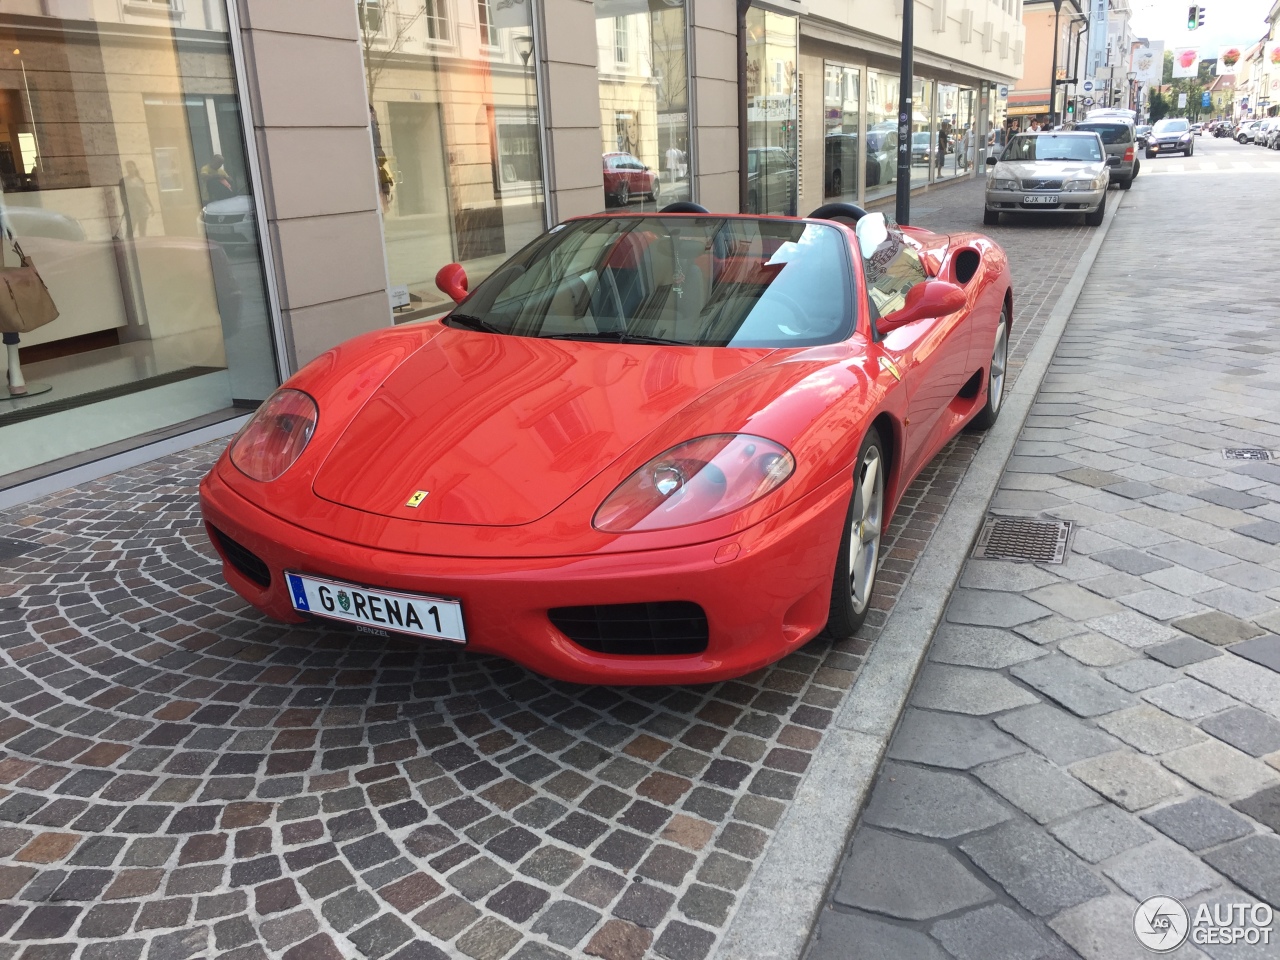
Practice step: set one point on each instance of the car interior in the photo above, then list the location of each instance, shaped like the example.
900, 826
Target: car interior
697, 281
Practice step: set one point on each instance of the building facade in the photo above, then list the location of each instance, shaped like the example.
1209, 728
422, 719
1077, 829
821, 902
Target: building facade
214, 194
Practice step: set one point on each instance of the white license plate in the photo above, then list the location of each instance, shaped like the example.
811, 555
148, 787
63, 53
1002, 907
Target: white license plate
1049, 198
378, 611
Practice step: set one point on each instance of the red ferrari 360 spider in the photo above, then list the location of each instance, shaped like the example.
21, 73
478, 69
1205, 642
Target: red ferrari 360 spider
648, 449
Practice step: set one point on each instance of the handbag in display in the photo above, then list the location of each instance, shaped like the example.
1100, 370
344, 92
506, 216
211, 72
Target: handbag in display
25, 304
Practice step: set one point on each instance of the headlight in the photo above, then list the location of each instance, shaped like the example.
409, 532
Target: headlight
1186, 136
275, 436
695, 481
1004, 184
1080, 185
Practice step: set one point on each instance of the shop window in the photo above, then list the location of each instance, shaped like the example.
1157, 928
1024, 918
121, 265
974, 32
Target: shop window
124, 177
772, 112
882, 134
841, 169
456, 143
644, 102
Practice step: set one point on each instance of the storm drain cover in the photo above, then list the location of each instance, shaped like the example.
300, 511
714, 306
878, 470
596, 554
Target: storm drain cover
1248, 453
1023, 541
12, 549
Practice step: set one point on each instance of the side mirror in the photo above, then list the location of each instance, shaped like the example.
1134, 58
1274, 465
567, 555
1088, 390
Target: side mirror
1113, 161
992, 161
451, 279
933, 298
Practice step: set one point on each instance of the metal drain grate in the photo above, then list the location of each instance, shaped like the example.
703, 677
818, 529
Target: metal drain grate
1248, 453
1023, 541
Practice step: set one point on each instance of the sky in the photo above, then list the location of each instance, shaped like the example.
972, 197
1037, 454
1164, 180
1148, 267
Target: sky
1226, 22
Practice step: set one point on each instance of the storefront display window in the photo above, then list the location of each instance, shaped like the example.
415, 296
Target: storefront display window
882, 133
840, 136
772, 110
454, 109
958, 118
643, 65
928, 149
124, 178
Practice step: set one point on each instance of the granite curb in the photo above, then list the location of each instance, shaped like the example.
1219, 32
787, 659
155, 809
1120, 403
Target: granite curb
786, 892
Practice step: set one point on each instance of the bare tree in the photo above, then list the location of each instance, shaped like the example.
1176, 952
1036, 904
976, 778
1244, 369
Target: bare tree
383, 32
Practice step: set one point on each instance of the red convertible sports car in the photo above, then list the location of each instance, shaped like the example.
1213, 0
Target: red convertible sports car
648, 449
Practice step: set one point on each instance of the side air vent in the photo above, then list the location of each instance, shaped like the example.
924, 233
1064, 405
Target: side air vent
242, 558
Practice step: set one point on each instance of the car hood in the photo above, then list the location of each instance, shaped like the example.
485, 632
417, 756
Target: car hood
500, 430
1176, 135
1048, 169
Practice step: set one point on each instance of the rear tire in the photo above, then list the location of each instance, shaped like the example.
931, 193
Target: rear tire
1150, 155
995, 377
858, 560
991, 217
623, 195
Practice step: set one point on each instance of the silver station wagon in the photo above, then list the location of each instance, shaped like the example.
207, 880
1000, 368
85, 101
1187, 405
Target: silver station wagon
1062, 172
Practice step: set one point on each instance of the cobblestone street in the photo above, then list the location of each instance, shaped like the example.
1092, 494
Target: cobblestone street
182, 778
1088, 735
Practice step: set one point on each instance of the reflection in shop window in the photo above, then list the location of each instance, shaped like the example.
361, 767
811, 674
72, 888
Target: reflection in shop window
772, 111
644, 102
456, 142
488, 32
437, 14
840, 126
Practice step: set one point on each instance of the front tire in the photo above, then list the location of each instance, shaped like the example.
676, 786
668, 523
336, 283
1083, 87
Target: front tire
656, 193
623, 195
995, 377
991, 217
859, 557
1150, 155
1095, 219
1126, 184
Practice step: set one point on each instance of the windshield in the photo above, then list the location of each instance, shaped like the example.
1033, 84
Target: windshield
1172, 126
1109, 132
693, 281
1052, 147
920, 139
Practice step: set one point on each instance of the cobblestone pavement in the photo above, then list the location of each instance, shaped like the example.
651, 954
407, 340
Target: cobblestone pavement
1087, 735
181, 778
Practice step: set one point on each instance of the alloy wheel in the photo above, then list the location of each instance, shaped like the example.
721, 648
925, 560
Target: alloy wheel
999, 361
864, 534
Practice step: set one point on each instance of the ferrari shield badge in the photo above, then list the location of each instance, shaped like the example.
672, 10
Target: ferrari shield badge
417, 498
891, 367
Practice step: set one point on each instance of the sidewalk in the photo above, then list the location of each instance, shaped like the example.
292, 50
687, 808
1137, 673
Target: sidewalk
1091, 734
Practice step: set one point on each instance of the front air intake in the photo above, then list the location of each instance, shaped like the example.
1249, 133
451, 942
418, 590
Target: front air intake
667, 628
248, 563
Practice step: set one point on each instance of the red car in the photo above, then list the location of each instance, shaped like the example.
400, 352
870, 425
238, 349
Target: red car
626, 176
648, 449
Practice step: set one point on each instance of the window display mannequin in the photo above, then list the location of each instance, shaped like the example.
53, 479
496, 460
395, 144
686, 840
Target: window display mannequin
17, 386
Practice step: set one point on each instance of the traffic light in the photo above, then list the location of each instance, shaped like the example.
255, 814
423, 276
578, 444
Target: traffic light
1071, 109
1200, 20
1195, 17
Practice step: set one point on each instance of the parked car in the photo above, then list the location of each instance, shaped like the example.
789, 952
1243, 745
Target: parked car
1197, 128
626, 176
882, 143
839, 173
232, 223
771, 173
1170, 135
920, 147
1119, 138
1244, 132
1067, 172
1268, 126
609, 482
1140, 134
1273, 138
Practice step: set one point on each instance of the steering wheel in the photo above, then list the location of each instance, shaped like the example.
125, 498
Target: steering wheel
838, 211
684, 206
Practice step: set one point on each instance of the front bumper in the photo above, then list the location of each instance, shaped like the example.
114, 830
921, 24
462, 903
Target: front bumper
1075, 201
761, 603
1169, 146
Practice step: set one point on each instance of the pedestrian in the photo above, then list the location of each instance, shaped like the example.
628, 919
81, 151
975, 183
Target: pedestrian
673, 162
215, 182
137, 201
968, 146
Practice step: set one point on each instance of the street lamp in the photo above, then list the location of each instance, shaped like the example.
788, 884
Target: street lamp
1132, 77
524, 47
906, 111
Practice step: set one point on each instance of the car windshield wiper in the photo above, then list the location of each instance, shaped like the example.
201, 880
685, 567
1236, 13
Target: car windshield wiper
474, 323
617, 336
